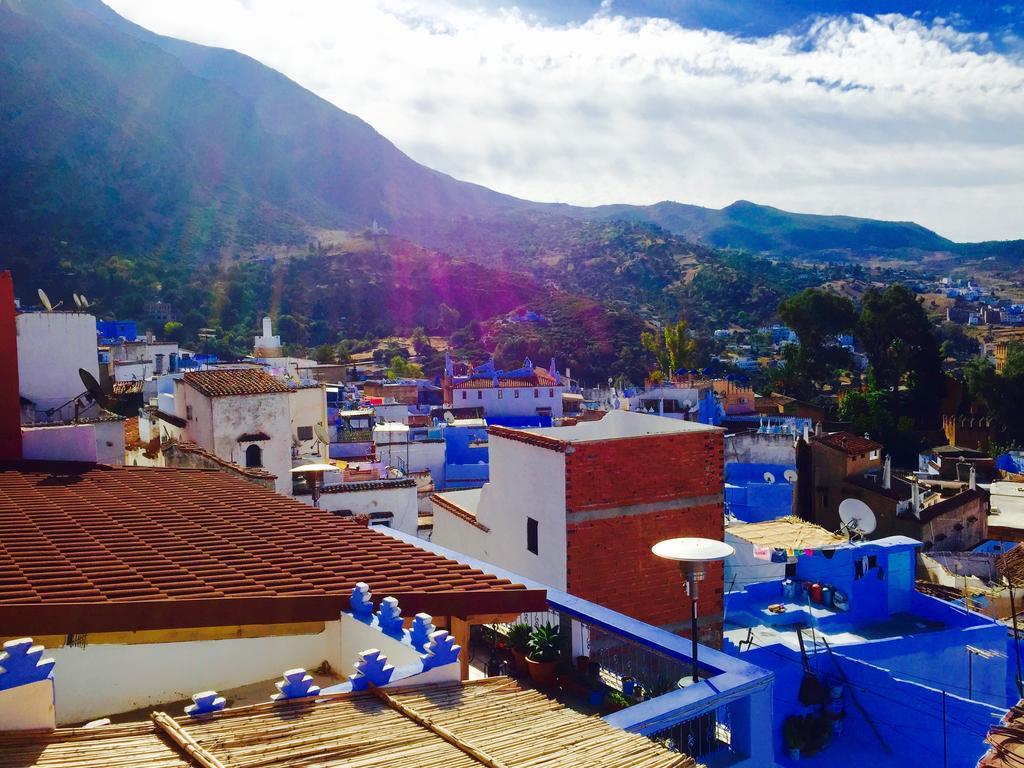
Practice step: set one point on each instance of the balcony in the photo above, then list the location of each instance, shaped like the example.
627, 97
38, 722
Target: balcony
725, 719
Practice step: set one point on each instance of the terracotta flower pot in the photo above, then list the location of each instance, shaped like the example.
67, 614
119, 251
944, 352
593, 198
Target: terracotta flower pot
542, 672
520, 663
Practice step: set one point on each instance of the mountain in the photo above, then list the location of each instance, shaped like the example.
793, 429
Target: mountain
761, 228
114, 137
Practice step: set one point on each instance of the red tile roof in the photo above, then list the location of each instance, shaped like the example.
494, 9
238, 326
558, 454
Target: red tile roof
540, 378
87, 548
848, 443
234, 381
128, 387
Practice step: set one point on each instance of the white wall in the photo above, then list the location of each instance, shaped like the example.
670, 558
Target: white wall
398, 412
420, 455
742, 568
507, 404
525, 480
70, 442
269, 413
308, 406
100, 680
52, 346
401, 502
132, 370
357, 637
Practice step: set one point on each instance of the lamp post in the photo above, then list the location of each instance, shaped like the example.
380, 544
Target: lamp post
314, 474
693, 556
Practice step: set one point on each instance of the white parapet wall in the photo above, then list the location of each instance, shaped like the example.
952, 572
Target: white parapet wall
104, 679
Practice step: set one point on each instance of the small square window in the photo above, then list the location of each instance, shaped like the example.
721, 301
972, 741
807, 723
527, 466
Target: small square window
500, 393
188, 412
551, 393
479, 394
305, 433
517, 393
536, 393
531, 535
463, 394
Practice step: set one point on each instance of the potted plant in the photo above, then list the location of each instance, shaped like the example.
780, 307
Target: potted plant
544, 648
615, 701
793, 734
519, 639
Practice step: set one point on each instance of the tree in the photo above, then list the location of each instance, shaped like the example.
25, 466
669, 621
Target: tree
900, 345
818, 318
874, 413
420, 342
672, 346
343, 352
292, 331
400, 368
448, 318
324, 354
1000, 394
174, 331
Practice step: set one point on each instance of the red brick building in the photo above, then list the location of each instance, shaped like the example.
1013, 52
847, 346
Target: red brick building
580, 507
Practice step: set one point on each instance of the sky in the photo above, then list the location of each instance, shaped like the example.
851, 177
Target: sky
880, 108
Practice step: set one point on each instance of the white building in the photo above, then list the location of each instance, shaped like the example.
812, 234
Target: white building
525, 393
52, 347
243, 415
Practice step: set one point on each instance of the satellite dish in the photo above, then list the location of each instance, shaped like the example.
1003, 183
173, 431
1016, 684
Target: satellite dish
85, 301
449, 417
78, 300
321, 433
790, 475
93, 387
45, 300
857, 516
769, 478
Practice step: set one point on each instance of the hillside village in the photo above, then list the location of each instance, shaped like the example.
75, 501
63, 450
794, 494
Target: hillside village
312, 454
514, 512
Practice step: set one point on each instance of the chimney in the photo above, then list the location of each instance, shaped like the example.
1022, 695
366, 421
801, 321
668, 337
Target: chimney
10, 389
268, 327
972, 481
817, 429
887, 473
915, 499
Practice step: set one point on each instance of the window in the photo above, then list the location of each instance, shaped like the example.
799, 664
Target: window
500, 393
531, 535
479, 394
536, 393
305, 433
463, 394
188, 412
517, 393
254, 456
551, 393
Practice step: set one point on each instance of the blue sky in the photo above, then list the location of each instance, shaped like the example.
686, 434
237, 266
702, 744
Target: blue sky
892, 110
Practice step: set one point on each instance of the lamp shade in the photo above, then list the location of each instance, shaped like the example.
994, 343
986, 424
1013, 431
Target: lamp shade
693, 554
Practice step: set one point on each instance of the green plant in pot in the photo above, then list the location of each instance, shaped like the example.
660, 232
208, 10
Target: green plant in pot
519, 640
544, 649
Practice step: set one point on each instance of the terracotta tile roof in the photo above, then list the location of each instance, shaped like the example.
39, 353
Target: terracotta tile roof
459, 512
89, 548
486, 722
234, 381
848, 443
127, 387
540, 378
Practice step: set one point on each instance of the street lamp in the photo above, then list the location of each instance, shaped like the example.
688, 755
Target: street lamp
693, 556
314, 474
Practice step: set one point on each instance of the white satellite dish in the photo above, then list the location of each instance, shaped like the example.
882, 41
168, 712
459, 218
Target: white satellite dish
45, 301
769, 478
857, 516
78, 300
321, 433
449, 417
790, 475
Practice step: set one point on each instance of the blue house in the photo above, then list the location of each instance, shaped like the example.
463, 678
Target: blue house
875, 670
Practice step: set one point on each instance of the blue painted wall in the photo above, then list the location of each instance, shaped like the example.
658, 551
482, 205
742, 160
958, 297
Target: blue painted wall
465, 466
750, 498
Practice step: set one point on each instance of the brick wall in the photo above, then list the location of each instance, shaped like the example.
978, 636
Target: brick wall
610, 532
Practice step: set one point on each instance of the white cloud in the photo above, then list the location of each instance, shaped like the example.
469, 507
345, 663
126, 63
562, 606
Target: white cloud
886, 117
